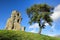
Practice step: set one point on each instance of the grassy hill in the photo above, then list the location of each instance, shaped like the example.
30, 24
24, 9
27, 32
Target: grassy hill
20, 35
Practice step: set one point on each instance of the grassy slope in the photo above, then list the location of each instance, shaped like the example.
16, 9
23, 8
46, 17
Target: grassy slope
19, 35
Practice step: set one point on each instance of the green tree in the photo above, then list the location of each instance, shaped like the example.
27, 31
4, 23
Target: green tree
40, 13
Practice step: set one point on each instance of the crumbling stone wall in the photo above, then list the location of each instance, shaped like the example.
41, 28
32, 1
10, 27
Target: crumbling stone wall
13, 23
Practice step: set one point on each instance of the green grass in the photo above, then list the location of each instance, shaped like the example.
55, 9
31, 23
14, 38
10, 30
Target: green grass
20, 35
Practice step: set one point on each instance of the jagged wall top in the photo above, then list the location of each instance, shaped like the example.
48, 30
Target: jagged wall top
15, 12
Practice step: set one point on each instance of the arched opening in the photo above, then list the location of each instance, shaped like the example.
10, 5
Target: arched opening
18, 20
17, 14
12, 26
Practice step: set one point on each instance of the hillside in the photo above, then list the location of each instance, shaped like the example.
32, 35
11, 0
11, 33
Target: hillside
20, 35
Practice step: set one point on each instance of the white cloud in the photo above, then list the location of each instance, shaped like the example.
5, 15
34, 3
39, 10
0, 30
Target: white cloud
56, 13
34, 26
33, 31
49, 34
46, 24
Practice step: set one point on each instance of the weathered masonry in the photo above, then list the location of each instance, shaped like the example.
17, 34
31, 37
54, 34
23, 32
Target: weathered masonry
13, 23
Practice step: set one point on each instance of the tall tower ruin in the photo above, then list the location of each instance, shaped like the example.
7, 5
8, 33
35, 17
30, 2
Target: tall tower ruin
13, 23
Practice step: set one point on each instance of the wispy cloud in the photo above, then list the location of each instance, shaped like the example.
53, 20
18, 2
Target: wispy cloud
53, 28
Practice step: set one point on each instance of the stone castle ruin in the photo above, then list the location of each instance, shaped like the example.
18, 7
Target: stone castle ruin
13, 23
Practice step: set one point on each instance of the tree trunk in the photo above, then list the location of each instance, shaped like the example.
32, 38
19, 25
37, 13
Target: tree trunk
40, 30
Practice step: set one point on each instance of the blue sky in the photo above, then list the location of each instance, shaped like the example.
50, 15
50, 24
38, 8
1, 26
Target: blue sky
6, 7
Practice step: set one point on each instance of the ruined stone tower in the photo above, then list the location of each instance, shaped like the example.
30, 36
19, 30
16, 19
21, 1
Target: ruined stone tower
13, 23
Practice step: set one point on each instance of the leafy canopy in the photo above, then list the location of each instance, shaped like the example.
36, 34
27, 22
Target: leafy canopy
40, 12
